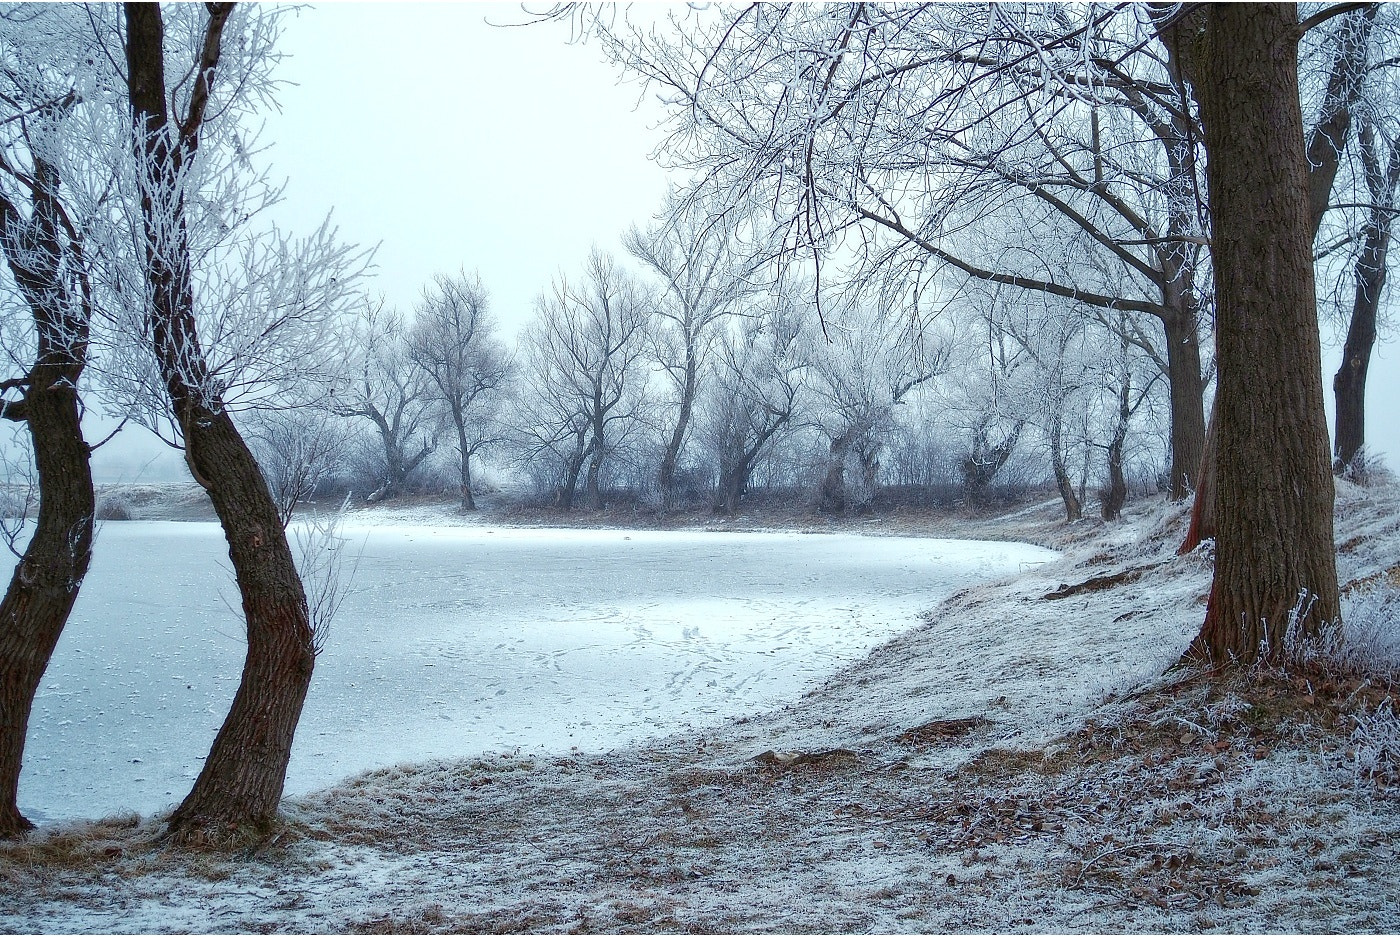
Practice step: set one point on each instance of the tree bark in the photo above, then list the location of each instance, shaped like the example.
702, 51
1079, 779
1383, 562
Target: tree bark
45, 583
1274, 549
1202, 525
1349, 383
468, 500
1116, 494
238, 790
1073, 510
831, 494
1187, 391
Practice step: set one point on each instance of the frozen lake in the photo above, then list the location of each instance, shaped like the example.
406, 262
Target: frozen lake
459, 640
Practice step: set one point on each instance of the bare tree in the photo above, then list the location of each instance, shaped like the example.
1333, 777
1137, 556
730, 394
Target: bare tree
862, 370
387, 388
914, 122
1275, 564
775, 104
240, 785
705, 273
44, 251
754, 390
298, 449
453, 342
583, 375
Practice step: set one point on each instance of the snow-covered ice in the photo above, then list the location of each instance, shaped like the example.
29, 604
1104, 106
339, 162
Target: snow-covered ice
461, 640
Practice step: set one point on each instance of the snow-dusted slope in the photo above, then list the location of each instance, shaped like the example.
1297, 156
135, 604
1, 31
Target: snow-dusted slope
1015, 764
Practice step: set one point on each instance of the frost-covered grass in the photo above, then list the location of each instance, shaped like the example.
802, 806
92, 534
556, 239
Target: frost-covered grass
1019, 762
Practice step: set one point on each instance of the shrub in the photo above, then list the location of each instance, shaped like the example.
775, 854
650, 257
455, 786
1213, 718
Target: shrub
113, 508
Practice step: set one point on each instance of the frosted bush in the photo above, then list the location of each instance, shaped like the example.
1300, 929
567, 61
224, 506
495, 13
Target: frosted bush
1367, 641
1376, 741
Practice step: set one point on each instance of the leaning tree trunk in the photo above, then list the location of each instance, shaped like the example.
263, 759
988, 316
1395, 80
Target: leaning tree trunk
1274, 550
240, 786
241, 783
1065, 484
45, 583
1202, 524
1349, 383
670, 458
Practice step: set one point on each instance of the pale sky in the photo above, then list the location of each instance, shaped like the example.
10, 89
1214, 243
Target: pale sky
450, 143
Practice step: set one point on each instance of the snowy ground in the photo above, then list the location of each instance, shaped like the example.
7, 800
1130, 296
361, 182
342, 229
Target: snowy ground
1015, 763
462, 640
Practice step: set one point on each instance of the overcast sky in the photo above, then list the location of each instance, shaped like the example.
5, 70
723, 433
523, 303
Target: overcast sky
450, 142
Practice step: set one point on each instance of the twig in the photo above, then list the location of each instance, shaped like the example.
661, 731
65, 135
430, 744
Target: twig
1103, 855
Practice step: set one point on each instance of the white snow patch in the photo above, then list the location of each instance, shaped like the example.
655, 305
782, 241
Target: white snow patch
460, 640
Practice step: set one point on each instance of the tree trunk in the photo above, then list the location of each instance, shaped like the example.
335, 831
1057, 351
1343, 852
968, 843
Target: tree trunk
831, 494
45, 583
1116, 494
1202, 525
564, 498
468, 500
241, 783
239, 788
465, 451
666, 476
1349, 383
1187, 389
592, 484
1274, 549
732, 482
1063, 482
985, 460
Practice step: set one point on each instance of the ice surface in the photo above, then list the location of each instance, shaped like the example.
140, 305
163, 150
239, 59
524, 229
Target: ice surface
459, 640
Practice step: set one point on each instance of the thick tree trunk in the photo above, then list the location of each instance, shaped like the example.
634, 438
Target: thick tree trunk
831, 494
593, 483
241, 783
239, 788
45, 583
984, 461
732, 482
564, 498
1274, 550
